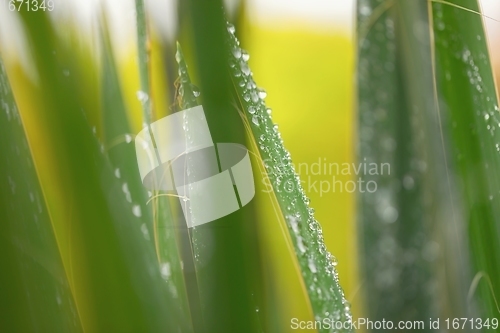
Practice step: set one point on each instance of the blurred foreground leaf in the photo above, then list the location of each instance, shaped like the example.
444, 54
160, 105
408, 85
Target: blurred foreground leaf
34, 289
115, 274
427, 108
469, 110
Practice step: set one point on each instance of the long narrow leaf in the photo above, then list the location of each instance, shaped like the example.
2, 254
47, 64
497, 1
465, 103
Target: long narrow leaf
317, 264
35, 292
118, 286
466, 93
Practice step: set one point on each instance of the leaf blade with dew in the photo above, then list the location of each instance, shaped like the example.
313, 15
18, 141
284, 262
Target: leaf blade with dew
466, 95
317, 265
154, 214
201, 237
36, 292
397, 127
229, 246
143, 54
187, 92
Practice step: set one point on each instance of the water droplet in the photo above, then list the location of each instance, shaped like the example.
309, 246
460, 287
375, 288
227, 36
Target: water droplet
244, 68
127, 192
255, 120
237, 52
230, 28
408, 182
178, 56
312, 266
390, 214
365, 10
255, 97
144, 230
251, 110
262, 93
142, 96
128, 138
136, 209
335, 262
165, 270
117, 173
300, 245
269, 111
245, 56
293, 222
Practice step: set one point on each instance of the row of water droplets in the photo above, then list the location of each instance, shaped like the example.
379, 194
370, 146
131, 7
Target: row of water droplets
317, 264
166, 264
386, 252
188, 94
117, 172
474, 58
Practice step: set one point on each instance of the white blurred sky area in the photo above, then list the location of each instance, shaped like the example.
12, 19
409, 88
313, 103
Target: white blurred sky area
328, 15
335, 16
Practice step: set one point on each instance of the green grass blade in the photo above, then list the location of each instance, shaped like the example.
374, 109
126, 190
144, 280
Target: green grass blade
143, 53
427, 106
154, 214
35, 292
118, 285
469, 107
226, 251
187, 91
235, 299
169, 244
317, 265
397, 134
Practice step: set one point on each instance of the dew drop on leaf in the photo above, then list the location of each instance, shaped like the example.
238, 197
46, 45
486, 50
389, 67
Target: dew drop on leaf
136, 209
245, 56
255, 120
237, 52
262, 93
